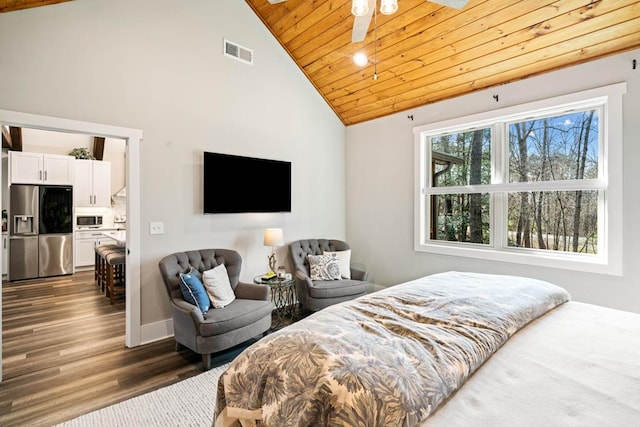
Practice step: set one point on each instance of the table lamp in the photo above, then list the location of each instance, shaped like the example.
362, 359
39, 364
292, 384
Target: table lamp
273, 237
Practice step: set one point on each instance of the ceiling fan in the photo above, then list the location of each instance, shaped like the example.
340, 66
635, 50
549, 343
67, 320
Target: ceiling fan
364, 9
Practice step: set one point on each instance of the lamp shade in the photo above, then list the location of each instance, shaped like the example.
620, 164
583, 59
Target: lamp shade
273, 237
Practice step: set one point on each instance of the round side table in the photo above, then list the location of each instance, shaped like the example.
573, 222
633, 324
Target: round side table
283, 295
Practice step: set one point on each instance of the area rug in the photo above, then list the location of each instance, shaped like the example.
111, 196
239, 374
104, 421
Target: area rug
188, 403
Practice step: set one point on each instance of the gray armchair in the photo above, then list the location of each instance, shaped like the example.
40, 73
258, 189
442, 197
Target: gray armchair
248, 316
315, 295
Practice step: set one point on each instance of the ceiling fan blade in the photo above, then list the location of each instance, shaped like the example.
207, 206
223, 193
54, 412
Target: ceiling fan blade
456, 4
361, 24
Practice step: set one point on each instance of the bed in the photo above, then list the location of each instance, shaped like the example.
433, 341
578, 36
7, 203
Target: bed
450, 349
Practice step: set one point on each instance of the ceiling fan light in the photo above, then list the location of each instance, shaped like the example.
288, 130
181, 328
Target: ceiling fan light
359, 7
360, 59
387, 7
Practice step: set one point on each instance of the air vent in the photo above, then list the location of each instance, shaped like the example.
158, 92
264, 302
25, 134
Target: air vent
238, 52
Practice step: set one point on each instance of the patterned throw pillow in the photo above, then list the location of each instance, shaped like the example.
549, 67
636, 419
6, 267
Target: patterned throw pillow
324, 267
193, 291
216, 282
344, 257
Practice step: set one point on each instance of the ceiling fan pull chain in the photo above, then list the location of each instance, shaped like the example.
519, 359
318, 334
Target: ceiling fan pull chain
375, 44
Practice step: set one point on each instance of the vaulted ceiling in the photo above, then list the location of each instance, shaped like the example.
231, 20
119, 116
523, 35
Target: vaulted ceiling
426, 52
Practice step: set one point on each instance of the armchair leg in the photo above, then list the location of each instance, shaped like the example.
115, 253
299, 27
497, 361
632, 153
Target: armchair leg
179, 346
206, 361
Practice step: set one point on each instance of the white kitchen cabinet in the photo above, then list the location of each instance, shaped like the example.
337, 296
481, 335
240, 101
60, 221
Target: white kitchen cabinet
85, 243
38, 168
85, 252
92, 187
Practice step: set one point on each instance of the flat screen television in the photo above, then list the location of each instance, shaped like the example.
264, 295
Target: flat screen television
238, 184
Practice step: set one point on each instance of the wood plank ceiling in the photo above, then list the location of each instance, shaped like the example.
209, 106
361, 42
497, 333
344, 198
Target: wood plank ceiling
427, 52
13, 5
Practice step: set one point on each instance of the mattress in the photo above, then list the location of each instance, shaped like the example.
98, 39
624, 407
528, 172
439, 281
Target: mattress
578, 365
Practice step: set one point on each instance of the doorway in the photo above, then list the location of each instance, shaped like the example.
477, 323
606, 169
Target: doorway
132, 138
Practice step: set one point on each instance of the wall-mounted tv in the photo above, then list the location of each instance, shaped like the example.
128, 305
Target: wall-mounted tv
237, 184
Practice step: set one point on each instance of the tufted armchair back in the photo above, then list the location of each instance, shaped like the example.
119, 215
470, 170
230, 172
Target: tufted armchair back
201, 260
300, 249
317, 294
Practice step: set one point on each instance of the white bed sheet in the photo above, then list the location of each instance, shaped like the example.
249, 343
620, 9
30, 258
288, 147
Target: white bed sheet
579, 365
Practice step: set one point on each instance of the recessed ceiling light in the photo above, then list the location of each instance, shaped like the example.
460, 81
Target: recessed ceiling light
360, 59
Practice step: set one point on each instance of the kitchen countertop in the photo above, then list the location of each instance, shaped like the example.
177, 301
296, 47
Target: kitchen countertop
99, 229
119, 236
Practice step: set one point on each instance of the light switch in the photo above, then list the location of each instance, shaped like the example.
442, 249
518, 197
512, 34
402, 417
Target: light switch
156, 228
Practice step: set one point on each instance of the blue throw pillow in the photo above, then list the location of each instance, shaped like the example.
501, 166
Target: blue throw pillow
193, 291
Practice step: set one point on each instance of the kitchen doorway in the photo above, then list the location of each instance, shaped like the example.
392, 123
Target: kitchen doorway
132, 138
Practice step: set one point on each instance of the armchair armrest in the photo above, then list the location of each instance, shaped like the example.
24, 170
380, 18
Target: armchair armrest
252, 291
186, 318
359, 274
304, 277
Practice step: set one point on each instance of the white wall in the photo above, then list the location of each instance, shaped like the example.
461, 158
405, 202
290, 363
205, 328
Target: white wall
157, 65
43, 141
380, 179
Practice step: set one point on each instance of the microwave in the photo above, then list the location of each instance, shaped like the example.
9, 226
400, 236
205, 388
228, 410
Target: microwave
90, 221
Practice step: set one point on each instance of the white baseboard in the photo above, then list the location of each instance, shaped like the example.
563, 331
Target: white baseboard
156, 331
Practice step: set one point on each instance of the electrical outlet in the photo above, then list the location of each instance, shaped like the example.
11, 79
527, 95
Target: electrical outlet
156, 228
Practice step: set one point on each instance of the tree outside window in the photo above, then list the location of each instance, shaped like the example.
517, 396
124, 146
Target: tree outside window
550, 183
537, 184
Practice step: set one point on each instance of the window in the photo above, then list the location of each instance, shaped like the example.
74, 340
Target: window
538, 183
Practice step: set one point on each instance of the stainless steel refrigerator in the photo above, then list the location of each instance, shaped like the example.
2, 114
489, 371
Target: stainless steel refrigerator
40, 231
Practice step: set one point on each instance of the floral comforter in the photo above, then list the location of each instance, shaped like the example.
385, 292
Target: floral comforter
389, 358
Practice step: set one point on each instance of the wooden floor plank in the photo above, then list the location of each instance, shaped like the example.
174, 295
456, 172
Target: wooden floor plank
64, 353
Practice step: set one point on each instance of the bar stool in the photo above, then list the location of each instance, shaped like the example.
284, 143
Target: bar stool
101, 273
115, 273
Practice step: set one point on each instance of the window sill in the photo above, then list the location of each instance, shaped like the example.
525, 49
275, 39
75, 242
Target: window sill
552, 259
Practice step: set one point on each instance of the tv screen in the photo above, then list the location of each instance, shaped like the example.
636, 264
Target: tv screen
236, 184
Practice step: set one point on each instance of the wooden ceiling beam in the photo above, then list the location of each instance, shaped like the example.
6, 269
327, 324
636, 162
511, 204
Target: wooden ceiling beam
6, 137
98, 147
13, 138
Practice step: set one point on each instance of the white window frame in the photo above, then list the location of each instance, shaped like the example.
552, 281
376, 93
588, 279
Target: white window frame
608, 100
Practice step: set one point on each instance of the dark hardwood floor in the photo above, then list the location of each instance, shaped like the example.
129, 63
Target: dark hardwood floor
63, 353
